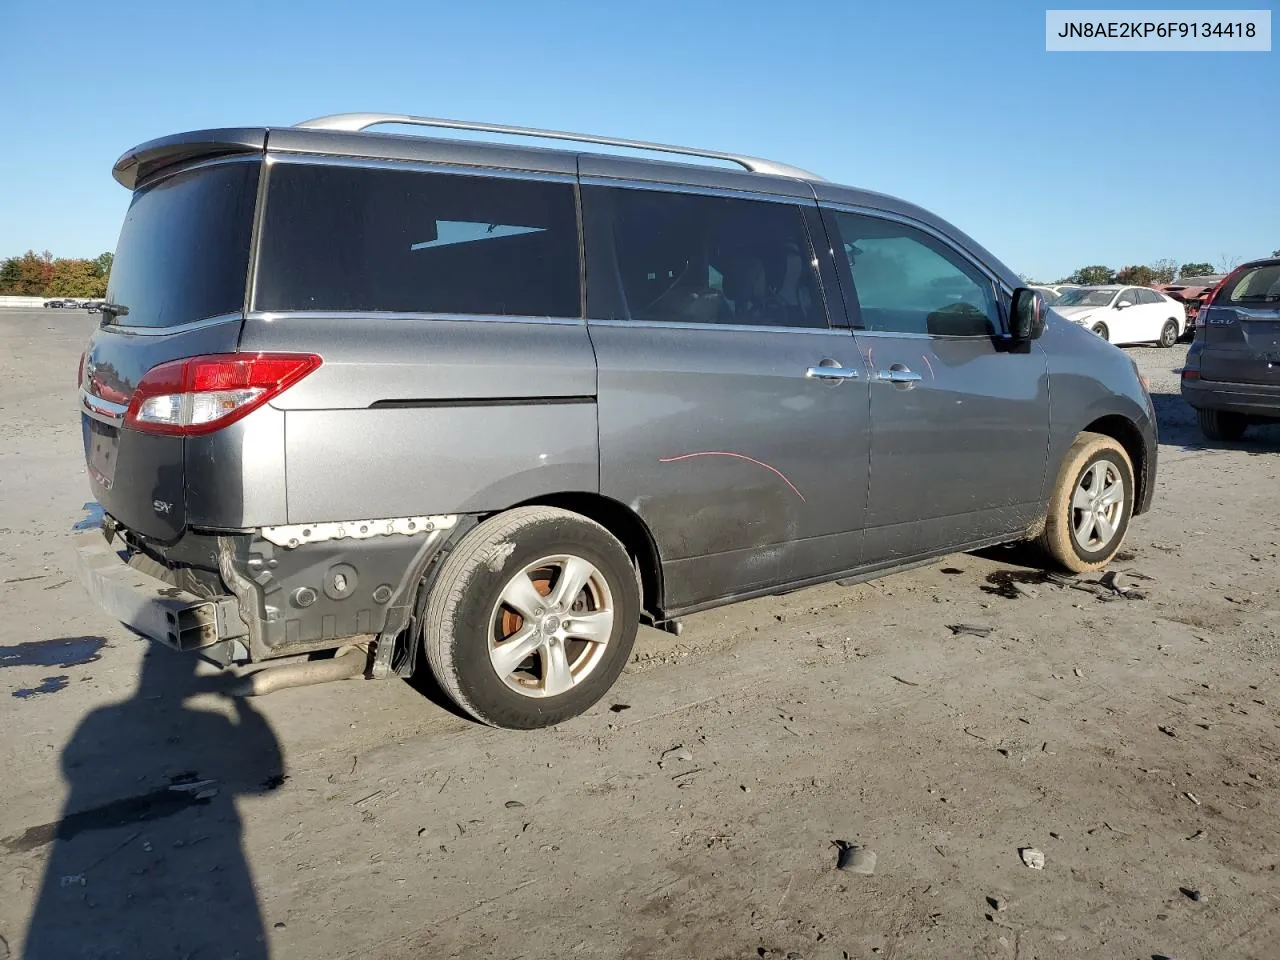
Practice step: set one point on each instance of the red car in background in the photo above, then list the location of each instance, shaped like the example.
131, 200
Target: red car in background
1191, 292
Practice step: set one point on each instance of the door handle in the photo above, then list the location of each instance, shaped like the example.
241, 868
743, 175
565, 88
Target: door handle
898, 374
828, 369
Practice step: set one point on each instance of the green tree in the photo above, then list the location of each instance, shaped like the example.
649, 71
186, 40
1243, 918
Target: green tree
1093, 275
77, 278
1139, 276
1200, 268
103, 262
27, 275
10, 275
1275, 253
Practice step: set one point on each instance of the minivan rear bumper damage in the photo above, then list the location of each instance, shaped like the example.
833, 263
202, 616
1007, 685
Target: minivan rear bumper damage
156, 609
277, 591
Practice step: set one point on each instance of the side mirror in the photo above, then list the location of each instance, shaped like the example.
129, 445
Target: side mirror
1122, 304
1026, 315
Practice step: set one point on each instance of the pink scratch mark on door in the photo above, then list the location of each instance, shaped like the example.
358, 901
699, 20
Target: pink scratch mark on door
738, 456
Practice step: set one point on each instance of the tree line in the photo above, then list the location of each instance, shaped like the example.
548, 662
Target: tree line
42, 275
1149, 274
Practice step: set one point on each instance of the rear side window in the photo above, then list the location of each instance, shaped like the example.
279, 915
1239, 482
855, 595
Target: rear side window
661, 256
1259, 285
905, 281
371, 239
183, 252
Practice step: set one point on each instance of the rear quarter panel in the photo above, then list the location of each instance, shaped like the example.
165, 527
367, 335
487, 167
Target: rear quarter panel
416, 415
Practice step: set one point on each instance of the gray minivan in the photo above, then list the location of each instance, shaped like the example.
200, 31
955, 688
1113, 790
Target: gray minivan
360, 401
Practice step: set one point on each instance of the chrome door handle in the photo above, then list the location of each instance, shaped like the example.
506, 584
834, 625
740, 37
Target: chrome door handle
830, 369
898, 376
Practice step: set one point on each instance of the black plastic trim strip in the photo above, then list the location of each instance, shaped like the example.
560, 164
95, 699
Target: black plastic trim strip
480, 402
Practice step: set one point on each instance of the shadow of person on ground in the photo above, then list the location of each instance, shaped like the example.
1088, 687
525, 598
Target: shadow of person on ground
147, 860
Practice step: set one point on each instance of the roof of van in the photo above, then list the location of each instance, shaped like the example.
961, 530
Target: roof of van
328, 136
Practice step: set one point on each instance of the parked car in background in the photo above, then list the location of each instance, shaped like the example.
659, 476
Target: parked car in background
55, 304
1124, 314
93, 306
1191, 293
579, 392
1232, 372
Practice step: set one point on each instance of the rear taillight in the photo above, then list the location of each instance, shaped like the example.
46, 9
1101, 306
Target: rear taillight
1190, 374
80, 372
202, 394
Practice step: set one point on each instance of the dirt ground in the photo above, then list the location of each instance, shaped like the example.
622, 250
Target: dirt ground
1133, 742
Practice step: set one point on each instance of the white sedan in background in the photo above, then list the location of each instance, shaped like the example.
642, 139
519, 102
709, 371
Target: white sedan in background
1125, 314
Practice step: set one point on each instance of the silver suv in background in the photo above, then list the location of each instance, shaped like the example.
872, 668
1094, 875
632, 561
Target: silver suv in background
362, 403
1232, 373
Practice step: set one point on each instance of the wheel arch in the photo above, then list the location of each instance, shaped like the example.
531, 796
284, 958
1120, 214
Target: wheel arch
625, 524
1127, 433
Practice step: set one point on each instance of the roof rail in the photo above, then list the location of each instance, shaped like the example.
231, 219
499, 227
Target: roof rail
356, 122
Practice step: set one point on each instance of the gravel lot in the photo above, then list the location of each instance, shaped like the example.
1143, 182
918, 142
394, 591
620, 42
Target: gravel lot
1133, 742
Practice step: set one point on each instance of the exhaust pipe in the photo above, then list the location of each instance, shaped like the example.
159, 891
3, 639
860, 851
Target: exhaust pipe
269, 679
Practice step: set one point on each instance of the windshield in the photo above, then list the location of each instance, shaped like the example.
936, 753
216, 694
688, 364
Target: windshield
1083, 297
1259, 285
1050, 297
183, 252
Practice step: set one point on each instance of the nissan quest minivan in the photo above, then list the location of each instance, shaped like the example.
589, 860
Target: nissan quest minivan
362, 404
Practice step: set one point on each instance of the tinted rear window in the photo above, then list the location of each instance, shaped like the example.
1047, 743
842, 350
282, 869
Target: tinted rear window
688, 258
354, 238
183, 252
1259, 285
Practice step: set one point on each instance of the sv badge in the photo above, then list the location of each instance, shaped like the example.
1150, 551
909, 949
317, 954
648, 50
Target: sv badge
162, 507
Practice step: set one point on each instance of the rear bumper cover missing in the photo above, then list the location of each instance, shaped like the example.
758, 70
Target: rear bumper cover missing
154, 608
277, 592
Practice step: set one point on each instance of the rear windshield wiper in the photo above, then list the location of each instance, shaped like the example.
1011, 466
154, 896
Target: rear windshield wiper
113, 310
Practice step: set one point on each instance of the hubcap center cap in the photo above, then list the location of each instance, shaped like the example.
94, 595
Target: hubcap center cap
550, 625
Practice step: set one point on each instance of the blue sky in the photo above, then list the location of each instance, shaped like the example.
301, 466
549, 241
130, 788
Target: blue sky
1051, 160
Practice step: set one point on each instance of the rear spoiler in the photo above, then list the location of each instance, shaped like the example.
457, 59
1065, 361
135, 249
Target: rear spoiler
147, 159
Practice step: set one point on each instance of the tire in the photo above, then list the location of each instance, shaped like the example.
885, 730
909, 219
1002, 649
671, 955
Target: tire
1221, 425
1100, 329
524, 553
1168, 335
1092, 459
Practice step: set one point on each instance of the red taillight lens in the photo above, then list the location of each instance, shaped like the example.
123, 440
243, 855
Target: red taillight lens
1190, 374
80, 372
203, 394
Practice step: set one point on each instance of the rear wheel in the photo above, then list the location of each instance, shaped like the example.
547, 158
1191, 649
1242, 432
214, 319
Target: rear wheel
532, 617
1091, 504
1101, 330
1169, 335
1221, 425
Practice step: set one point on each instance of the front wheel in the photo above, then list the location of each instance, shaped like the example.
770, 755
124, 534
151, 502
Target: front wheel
532, 617
1091, 504
1100, 329
1221, 425
1169, 335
